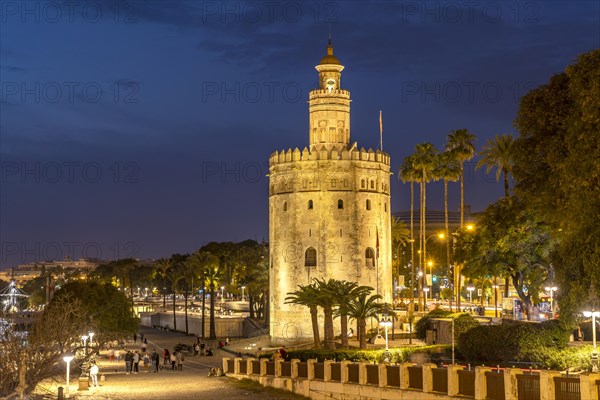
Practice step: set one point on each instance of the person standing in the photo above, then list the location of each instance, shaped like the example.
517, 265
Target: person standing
202, 345
94, 374
180, 360
128, 362
136, 362
155, 360
166, 357
196, 350
173, 360
146, 359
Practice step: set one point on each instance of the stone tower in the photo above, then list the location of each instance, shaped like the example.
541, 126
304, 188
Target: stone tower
329, 209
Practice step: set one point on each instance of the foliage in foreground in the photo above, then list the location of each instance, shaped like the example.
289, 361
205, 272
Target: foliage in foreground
397, 355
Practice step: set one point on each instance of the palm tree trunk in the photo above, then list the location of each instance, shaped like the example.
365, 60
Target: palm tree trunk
344, 327
202, 330
506, 187
212, 334
315, 327
462, 195
412, 248
425, 242
186, 313
174, 316
362, 332
329, 336
447, 226
420, 288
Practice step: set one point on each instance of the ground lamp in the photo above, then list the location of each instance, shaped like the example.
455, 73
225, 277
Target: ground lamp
551, 289
68, 358
594, 315
386, 322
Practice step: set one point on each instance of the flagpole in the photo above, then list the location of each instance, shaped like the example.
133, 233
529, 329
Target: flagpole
380, 131
377, 259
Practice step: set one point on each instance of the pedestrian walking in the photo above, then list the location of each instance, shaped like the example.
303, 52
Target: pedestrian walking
136, 362
166, 357
202, 346
128, 362
111, 355
196, 349
94, 374
146, 359
155, 360
118, 355
135, 338
173, 360
180, 360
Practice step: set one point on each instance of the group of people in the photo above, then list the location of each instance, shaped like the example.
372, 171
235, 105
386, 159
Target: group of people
174, 360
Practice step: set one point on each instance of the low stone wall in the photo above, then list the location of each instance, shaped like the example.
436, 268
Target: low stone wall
224, 327
361, 381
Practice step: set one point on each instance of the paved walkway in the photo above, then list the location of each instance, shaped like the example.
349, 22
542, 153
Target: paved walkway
192, 383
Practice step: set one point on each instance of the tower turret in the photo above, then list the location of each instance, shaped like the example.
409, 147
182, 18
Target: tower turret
329, 105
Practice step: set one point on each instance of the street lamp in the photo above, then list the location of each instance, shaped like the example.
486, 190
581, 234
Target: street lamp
68, 358
145, 292
594, 315
495, 286
91, 335
551, 289
470, 288
386, 322
243, 287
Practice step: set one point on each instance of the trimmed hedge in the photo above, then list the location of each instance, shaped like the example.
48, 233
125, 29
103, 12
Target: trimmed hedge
512, 341
397, 355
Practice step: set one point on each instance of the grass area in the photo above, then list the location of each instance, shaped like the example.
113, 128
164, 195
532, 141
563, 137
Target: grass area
265, 392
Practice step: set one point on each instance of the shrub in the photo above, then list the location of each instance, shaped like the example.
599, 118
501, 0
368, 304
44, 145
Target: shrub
396, 355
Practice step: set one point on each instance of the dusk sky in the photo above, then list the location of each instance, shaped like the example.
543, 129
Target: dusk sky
142, 129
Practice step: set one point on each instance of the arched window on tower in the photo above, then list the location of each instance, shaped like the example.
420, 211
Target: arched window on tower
368, 204
340, 204
310, 204
285, 206
363, 184
369, 257
310, 257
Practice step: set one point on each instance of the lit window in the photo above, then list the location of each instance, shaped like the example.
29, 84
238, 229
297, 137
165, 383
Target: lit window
310, 257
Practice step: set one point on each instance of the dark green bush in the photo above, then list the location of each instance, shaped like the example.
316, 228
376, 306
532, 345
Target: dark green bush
397, 355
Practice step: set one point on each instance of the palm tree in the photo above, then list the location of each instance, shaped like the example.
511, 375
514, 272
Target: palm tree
212, 275
362, 308
447, 170
344, 292
408, 173
460, 144
174, 275
162, 266
307, 296
424, 162
192, 268
326, 300
499, 153
206, 261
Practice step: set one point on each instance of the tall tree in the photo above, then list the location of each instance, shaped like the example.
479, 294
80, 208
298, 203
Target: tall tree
306, 295
327, 302
212, 276
344, 292
363, 307
408, 173
447, 169
499, 153
174, 276
162, 266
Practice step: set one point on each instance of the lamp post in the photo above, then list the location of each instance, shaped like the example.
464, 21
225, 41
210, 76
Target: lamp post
68, 358
426, 290
145, 292
243, 287
386, 322
551, 289
594, 315
91, 335
495, 298
84, 338
470, 288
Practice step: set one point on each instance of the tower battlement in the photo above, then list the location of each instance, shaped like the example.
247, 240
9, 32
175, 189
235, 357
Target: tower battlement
325, 153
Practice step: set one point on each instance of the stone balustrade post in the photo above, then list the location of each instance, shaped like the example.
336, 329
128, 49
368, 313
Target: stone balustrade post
382, 370
294, 368
327, 370
362, 373
481, 382
236, 365
344, 371
404, 382
511, 390
428, 377
263, 366
310, 368
225, 364
547, 384
278, 362
249, 365
587, 386
453, 378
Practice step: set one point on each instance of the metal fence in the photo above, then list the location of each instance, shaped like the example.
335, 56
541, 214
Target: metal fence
319, 371
230, 365
466, 383
373, 374
495, 386
243, 366
270, 367
528, 386
415, 378
353, 373
302, 370
567, 388
255, 367
440, 380
286, 368
336, 372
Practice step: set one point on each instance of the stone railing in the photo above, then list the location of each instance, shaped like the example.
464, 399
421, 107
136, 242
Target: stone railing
347, 380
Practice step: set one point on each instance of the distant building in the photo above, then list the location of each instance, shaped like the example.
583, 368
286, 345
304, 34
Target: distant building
26, 272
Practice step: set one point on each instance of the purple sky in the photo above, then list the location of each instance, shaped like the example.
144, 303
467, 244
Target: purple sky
144, 128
